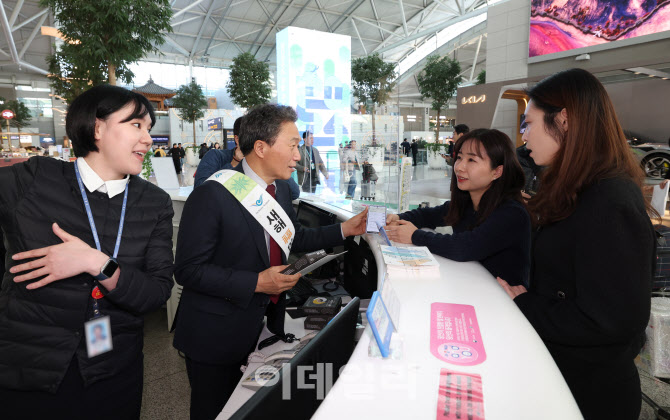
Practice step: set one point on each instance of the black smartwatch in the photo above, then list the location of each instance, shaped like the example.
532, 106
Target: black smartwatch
108, 269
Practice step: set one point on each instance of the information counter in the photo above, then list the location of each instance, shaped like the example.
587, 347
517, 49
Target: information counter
519, 377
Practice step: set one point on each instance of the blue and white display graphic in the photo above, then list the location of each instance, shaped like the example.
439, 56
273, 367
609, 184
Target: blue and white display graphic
314, 77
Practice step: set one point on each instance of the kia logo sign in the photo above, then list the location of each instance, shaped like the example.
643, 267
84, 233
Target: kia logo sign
473, 99
7, 114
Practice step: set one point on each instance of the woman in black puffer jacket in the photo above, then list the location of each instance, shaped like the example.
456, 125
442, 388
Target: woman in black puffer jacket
48, 209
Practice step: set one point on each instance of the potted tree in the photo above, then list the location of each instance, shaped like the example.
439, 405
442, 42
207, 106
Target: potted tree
191, 102
101, 39
439, 81
372, 81
249, 83
22, 114
435, 161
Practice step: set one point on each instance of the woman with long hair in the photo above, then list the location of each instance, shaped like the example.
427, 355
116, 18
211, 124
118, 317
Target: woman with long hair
593, 247
91, 253
490, 223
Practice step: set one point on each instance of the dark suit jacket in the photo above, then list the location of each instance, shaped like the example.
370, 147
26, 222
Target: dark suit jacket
220, 251
590, 294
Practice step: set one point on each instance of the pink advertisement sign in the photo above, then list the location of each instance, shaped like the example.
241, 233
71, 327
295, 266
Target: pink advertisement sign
454, 334
460, 396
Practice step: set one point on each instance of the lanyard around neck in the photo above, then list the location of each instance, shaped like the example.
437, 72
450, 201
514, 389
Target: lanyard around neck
90, 215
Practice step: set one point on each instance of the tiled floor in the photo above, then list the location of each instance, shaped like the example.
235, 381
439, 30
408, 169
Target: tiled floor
166, 389
655, 389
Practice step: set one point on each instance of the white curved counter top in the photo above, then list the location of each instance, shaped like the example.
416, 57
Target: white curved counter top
519, 377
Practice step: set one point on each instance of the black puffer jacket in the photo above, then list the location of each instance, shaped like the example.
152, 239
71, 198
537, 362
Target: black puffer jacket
42, 329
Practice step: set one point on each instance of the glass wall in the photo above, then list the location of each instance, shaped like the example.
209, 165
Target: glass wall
39, 107
369, 168
363, 169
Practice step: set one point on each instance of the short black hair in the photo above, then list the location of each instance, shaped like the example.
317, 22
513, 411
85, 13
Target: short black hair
461, 129
100, 102
305, 134
264, 123
236, 126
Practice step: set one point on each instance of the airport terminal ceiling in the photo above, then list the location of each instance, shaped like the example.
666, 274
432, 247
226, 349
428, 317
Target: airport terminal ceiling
212, 32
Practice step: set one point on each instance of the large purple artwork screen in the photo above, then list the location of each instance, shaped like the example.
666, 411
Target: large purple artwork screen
561, 25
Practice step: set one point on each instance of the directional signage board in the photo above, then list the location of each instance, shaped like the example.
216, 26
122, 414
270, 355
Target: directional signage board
214, 124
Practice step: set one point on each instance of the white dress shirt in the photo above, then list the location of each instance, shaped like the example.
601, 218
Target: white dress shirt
93, 182
258, 180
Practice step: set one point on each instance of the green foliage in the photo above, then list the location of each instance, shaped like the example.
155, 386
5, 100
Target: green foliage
71, 75
435, 148
191, 103
372, 79
194, 147
439, 81
147, 166
111, 34
249, 83
481, 78
21, 114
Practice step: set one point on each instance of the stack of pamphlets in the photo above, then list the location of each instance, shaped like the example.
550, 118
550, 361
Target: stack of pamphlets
416, 259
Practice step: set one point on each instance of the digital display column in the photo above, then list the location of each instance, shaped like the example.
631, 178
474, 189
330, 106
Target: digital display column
314, 77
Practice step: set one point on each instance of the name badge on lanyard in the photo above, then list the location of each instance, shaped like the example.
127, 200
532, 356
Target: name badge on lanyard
98, 330
265, 209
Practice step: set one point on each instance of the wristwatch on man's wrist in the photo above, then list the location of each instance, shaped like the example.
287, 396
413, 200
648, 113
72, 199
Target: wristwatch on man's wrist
108, 269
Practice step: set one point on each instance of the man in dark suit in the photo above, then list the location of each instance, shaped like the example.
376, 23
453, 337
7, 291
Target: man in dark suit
230, 266
176, 157
415, 150
405, 147
310, 164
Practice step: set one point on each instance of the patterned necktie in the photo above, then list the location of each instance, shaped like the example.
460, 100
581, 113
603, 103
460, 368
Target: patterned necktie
275, 249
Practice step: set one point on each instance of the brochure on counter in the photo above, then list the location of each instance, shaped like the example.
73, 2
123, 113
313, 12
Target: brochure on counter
412, 259
310, 262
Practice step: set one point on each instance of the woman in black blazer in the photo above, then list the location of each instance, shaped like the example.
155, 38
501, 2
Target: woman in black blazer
593, 247
490, 223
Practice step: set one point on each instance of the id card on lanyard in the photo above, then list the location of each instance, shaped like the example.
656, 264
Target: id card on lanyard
98, 329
